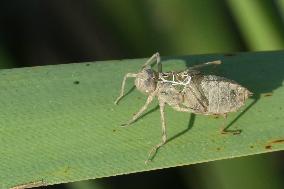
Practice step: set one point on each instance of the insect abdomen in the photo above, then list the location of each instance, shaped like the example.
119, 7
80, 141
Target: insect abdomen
223, 95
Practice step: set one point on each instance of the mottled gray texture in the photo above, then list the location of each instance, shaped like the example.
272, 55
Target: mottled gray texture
186, 91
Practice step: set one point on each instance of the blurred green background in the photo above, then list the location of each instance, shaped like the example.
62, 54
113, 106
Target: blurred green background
51, 32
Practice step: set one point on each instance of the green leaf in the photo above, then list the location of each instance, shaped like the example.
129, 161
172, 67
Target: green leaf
59, 124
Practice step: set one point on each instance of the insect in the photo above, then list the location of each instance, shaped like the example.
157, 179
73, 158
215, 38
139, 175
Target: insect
185, 91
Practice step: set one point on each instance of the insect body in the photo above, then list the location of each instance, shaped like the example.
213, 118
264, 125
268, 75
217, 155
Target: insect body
186, 91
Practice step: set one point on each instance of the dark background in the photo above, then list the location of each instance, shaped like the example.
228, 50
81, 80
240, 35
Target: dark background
36, 32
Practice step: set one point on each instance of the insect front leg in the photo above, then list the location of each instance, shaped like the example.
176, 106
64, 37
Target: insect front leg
123, 85
139, 113
164, 133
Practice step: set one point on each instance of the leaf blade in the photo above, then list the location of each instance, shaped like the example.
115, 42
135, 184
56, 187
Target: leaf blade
59, 124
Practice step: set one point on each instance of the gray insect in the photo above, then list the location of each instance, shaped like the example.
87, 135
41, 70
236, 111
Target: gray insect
185, 91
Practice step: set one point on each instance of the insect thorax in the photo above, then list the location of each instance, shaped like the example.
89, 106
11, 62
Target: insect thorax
178, 79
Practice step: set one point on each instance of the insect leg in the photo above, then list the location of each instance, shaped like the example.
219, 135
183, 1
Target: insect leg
123, 85
216, 62
181, 109
138, 114
164, 134
156, 57
193, 94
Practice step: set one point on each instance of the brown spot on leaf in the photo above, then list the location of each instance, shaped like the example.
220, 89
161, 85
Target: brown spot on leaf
218, 149
269, 145
251, 146
277, 141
